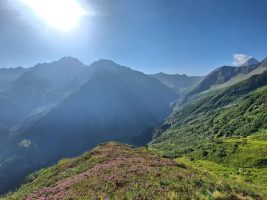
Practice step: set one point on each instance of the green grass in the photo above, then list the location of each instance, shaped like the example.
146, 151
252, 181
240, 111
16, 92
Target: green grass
117, 171
223, 134
248, 180
248, 152
208, 118
240, 162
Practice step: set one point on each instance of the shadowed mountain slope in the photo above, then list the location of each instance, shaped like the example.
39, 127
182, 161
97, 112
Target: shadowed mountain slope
39, 86
8, 75
116, 103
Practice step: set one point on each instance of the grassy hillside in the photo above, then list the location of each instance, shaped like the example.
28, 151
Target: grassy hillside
222, 132
239, 110
242, 117
116, 171
242, 160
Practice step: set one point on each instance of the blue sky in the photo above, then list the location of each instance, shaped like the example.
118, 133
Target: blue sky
173, 36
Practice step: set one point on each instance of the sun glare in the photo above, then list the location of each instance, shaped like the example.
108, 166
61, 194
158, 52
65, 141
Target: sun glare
62, 15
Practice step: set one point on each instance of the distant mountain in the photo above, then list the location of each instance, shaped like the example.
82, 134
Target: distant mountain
116, 103
50, 77
180, 83
8, 75
220, 76
251, 61
37, 87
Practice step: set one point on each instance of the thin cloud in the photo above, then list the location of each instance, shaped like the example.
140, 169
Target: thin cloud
240, 59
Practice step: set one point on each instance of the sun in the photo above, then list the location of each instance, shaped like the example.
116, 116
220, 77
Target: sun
62, 15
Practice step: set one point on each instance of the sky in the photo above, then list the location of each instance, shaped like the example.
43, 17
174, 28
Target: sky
174, 36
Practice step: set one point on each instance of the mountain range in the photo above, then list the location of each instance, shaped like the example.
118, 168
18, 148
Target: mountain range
204, 137
47, 112
179, 83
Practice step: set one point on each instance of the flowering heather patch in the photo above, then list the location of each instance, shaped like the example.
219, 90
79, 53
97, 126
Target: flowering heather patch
116, 171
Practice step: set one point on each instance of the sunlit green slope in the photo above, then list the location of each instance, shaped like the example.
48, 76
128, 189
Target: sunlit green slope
223, 132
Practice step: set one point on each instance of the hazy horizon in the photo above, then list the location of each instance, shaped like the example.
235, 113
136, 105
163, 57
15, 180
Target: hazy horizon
132, 67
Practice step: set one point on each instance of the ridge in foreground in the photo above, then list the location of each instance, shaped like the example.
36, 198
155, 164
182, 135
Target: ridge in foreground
117, 171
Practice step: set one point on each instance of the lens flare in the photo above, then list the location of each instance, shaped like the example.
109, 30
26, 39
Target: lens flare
62, 15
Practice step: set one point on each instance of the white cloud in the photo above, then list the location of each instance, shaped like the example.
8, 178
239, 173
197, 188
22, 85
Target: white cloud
240, 59
25, 143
